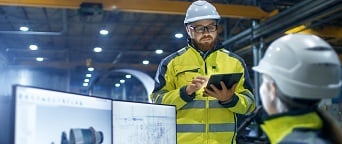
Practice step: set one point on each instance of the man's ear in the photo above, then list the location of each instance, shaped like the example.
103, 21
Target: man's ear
188, 31
272, 89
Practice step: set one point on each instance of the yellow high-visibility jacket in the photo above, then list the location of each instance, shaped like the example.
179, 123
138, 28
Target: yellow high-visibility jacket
202, 119
301, 127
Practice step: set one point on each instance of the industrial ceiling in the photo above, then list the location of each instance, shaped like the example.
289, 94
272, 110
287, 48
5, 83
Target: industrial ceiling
66, 31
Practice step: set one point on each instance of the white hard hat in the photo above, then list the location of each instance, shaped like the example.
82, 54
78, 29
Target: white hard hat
302, 66
200, 10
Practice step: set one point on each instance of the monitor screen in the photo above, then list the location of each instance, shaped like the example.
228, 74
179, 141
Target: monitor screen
143, 123
52, 117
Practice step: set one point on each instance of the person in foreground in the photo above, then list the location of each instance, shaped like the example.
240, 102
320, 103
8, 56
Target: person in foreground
203, 116
298, 71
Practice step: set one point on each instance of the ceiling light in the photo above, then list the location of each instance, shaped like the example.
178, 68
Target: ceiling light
104, 32
33, 47
97, 49
117, 85
128, 76
88, 75
86, 80
23, 28
85, 84
122, 81
159, 51
39, 59
178, 35
145, 62
91, 69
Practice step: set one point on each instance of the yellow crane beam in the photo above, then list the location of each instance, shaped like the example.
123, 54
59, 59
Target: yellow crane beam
323, 31
147, 6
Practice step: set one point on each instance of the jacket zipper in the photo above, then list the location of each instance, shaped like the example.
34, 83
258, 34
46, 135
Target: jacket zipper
206, 107
193, 70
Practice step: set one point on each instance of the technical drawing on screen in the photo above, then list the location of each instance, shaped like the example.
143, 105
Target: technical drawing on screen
45, 116
143, 123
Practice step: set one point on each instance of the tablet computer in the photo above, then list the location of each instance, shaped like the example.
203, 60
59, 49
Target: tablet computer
228, 79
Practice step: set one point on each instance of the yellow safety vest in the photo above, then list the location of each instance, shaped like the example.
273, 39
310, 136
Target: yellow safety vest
202, 119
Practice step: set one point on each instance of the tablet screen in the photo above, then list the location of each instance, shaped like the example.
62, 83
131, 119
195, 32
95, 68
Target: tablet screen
228, 79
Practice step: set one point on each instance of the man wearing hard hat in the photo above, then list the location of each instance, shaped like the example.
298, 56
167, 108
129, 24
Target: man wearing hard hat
297, 72
205, 114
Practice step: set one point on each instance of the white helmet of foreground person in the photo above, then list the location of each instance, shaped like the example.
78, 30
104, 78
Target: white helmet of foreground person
302, 66
200, 10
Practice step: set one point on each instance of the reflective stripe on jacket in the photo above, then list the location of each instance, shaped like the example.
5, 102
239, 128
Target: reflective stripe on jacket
202, 119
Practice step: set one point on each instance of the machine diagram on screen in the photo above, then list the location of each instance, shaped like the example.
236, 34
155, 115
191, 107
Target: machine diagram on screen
143, 126
82, 136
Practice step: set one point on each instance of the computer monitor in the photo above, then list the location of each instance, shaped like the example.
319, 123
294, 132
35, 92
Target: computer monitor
45, 116
143, 123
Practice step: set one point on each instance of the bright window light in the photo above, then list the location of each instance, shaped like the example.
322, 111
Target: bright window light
86, 80
33, 47
25, 77
39, 59
128, 76
104, 32
117, 85
159, 51
178, 35
145, 62
97, 49
91, 69
85, 84
88, 75
23, 28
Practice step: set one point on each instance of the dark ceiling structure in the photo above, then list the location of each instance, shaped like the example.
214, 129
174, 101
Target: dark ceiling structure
66, 31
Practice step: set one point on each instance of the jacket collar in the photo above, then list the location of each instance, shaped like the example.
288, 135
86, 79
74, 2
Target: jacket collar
278, 126
218, 45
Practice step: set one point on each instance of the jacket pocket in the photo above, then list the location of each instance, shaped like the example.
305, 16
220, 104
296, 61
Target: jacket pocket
185, 74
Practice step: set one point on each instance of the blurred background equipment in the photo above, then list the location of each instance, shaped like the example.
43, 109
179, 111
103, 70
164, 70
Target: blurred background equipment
249, 132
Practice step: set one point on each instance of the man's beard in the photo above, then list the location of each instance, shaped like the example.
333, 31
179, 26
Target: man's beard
204, 46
